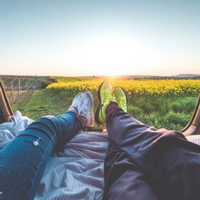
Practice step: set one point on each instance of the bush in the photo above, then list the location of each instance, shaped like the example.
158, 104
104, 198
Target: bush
47, 82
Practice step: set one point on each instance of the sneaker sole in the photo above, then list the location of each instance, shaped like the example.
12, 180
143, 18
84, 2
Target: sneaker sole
91, 107
99, 106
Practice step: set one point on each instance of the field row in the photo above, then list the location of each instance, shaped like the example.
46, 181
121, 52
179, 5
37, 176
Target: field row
140, 87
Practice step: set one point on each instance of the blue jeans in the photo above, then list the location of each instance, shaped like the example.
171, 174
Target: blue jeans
23, 161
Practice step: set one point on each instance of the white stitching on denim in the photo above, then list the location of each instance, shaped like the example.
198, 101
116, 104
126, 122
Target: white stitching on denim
36, 143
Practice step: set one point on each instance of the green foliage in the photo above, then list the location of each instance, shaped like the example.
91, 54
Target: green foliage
48, 81
171, 112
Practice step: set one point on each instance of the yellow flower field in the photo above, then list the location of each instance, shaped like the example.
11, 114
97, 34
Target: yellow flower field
150, 87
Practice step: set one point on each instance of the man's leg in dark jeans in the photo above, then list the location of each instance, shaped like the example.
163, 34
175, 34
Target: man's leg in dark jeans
161, 159
123, 178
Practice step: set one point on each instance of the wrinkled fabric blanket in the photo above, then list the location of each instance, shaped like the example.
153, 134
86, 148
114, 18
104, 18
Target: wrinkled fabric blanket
76, 172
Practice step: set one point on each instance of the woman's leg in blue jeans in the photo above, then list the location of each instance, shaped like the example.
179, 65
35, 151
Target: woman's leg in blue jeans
23, 161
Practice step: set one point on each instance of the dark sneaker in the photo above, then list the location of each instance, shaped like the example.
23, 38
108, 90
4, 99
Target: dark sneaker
87, 109
121, 98
105, 96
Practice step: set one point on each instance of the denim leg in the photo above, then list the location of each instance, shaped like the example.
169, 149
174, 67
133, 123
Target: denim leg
123, 178
23, 161
168, 163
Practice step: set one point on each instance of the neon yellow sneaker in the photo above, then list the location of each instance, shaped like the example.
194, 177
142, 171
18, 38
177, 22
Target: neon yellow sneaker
121, 98
105, 96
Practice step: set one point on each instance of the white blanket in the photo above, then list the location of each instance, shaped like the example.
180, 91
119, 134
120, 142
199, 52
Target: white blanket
76, 172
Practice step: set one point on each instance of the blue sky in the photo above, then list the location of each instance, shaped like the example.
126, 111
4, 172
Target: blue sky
112, 37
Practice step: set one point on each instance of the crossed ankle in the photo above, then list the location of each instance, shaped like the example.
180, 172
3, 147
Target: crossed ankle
74, 109
110, 105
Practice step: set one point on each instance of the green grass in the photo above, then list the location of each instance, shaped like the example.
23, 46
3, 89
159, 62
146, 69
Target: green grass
171, 112
41, 103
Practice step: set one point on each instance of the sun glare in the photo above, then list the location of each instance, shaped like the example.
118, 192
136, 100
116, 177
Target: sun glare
111, 56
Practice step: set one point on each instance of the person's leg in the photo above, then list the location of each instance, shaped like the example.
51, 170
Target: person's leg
23, 161
170, 163
123, 178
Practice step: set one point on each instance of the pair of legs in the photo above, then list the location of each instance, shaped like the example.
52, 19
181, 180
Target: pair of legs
143, 162
23, 161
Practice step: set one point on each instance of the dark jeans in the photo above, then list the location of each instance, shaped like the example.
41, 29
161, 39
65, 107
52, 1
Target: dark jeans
23, 161
145, 163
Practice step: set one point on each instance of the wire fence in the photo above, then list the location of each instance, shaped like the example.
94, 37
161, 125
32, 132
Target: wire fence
17, 86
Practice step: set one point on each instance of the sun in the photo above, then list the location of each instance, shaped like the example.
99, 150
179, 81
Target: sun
111, 56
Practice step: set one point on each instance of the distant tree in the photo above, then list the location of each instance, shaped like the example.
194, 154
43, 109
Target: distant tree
47, 82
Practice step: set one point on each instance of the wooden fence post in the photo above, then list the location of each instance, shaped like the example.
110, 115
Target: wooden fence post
19, 87
12, 91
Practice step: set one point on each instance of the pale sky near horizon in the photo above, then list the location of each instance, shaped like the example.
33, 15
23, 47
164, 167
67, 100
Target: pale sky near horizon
107, 37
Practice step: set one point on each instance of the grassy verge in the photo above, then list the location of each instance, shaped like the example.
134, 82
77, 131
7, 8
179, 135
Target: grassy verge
171, 112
